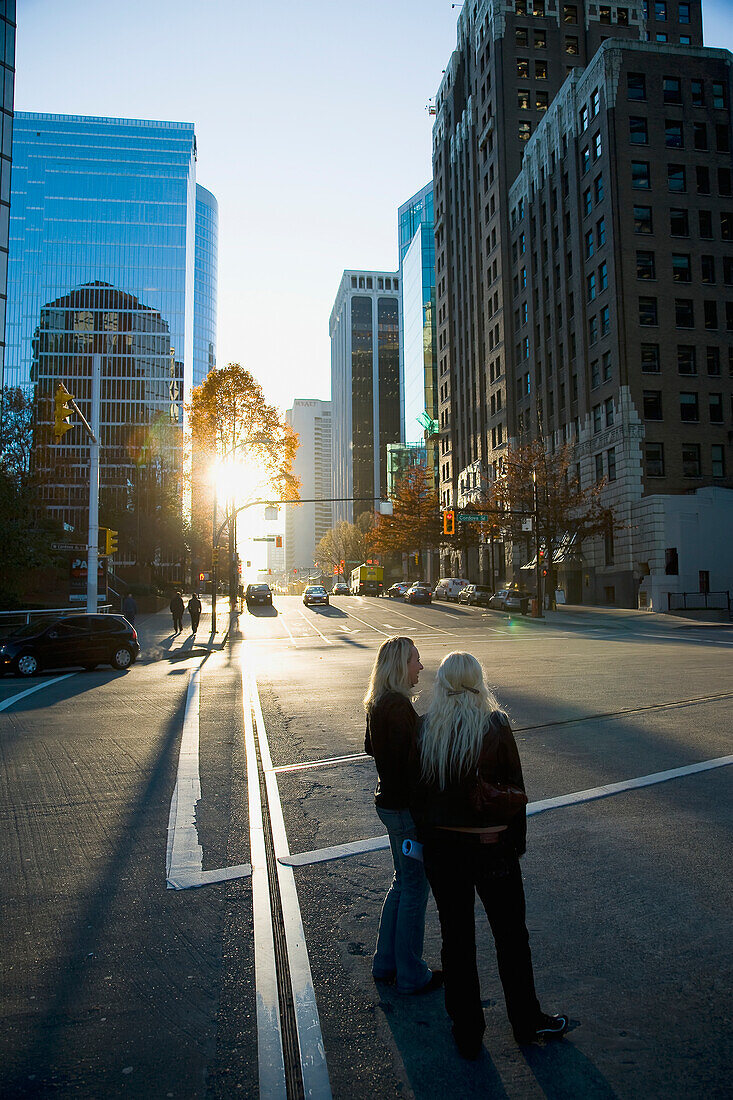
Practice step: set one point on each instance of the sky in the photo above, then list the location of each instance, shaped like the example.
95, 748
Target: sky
311, 128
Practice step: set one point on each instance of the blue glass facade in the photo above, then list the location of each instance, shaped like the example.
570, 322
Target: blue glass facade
7, 88
102, 260
205, 284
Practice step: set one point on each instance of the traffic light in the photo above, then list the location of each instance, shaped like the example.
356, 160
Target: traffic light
110, 541
278, 541
62, 411
449, 522
201, 577
543, 563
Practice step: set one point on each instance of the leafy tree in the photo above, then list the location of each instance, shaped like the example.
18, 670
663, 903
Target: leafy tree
565, 510
347, 542
415, 521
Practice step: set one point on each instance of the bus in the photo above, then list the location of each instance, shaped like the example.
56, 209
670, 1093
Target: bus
367, 580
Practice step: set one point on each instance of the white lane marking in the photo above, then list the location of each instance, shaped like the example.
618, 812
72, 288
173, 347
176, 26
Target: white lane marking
287, 629
359, 847
270, 1057
426, 626
322, 763
375, 628
305, 617
32, 690
184, 854
310, 1040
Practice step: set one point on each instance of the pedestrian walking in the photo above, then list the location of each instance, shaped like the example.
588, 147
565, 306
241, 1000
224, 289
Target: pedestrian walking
469, 804
176, 606
194, 609
129, 608
391, 731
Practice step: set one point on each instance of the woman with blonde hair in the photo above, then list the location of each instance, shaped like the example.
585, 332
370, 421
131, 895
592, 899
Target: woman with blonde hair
469, 806
391, 732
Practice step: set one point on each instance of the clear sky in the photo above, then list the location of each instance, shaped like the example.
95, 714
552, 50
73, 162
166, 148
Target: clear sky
311, 126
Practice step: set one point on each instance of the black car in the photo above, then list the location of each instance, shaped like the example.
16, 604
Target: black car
315, 594
85, 640
258, 594
419, 593
477, 595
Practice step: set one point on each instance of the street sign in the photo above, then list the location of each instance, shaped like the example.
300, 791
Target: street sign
264, 538
75, 547
472, 517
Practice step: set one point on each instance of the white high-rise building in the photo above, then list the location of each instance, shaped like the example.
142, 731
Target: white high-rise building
306, 525
365, 388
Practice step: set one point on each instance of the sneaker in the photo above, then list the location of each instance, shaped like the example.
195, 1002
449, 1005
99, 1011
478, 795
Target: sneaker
548, 1027
433, 983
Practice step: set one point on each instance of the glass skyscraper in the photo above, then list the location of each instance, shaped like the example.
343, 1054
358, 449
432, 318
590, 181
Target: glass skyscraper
103, 259
7, 86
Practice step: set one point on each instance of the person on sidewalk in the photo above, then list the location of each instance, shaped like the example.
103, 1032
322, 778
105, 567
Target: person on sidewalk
176, 606
467, 756
194, 609
129, 608
391, 728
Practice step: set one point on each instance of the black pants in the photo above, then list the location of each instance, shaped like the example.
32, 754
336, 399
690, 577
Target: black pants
455, 870
195, 620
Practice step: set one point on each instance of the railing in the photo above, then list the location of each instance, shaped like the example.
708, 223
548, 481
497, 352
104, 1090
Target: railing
24, 616
698, 601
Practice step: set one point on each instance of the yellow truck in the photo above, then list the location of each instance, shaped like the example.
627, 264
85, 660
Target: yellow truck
367, 580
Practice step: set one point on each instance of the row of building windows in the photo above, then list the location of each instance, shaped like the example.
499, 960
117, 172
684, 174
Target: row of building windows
689, 405
691, 460
679, 223
358, 283
641, 177
674, 134
681, 267
699, 95
684, 313
687, 359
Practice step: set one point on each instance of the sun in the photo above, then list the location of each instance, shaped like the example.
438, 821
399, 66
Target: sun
238, 481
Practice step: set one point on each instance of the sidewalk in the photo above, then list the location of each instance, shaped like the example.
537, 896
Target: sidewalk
619, 617
158, 642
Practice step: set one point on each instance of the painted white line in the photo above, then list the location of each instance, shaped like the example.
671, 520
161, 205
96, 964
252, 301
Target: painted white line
185, 856
32, 690
310, 1040
424, 625
322, 763
287, 630
375, 628
374, 844
305, 617
270, 1058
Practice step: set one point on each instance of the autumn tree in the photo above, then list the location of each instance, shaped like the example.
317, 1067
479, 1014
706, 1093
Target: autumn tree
565, 510
347, 543
415, 521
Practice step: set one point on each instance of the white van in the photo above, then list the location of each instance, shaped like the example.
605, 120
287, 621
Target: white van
449, 587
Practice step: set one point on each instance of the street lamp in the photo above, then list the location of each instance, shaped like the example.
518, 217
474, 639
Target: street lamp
503, 466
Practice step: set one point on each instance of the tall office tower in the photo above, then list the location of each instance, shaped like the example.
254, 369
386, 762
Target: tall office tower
205, 284
418, 360
365, 388
511, 61
622, 260
306, 525
7, 86
102, 252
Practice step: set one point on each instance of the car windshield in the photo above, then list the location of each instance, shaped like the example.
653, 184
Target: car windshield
482, 588
317, 591
259, 588
30, 630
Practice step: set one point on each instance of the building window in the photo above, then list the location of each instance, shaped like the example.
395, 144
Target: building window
597, 146
599, 188
689, 412
523, 99
654, 459
719, 100
681, 271
699, 135
571, 44
660, 11
652, 400
605, 321
691, 460
636, 86
638, 131
591, 284
525, 131
684, 13
672, 89
717, 454
702, 179
640, 175
601, 227
603, 276
650, 358
599, 467
673, 138
593, 330
569, 13
540, 70
587, 202
712, 360
705, 222
707, 269
686, 359
589, 244
684, 313
715, 408
541, 101
724, 181
697, 93
608, 409
679, 225
710, 313
611, 463
540, 40
643, 219
676, 178
521, 37
597, 423
583, 118
647, 311
523, 68
585, 160
726, 226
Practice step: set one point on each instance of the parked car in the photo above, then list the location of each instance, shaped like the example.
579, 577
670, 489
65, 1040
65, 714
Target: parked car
510, 599
315, 594
258, 594
397, 590
448, 588
476, 595
83, 640
340, 589
419, 593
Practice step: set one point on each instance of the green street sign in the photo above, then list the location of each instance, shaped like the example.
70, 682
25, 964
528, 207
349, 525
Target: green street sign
472, 517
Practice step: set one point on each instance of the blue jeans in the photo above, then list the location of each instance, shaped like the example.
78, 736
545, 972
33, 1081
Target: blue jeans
402, 923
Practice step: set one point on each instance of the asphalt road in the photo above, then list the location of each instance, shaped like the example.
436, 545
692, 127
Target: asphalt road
114, 985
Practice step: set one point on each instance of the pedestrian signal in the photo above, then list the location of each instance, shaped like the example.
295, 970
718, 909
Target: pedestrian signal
278, 540
62, 411
449, 522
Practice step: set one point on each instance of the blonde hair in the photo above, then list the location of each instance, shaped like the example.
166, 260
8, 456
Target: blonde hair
389, 672
456, 720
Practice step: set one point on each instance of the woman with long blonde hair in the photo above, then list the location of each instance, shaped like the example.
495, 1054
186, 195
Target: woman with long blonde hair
391, 738
468, 756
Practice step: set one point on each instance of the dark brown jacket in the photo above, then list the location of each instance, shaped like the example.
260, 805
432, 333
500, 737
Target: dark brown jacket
391, 738
500, 762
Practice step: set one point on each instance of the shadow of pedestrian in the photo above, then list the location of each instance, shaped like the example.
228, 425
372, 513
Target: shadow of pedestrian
561, 1070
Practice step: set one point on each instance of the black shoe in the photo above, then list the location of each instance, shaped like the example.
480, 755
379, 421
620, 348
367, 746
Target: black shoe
469, 1046
386, 979
435, 982
548, 1027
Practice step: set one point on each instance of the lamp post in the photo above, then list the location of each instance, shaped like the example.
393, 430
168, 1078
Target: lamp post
503, 465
